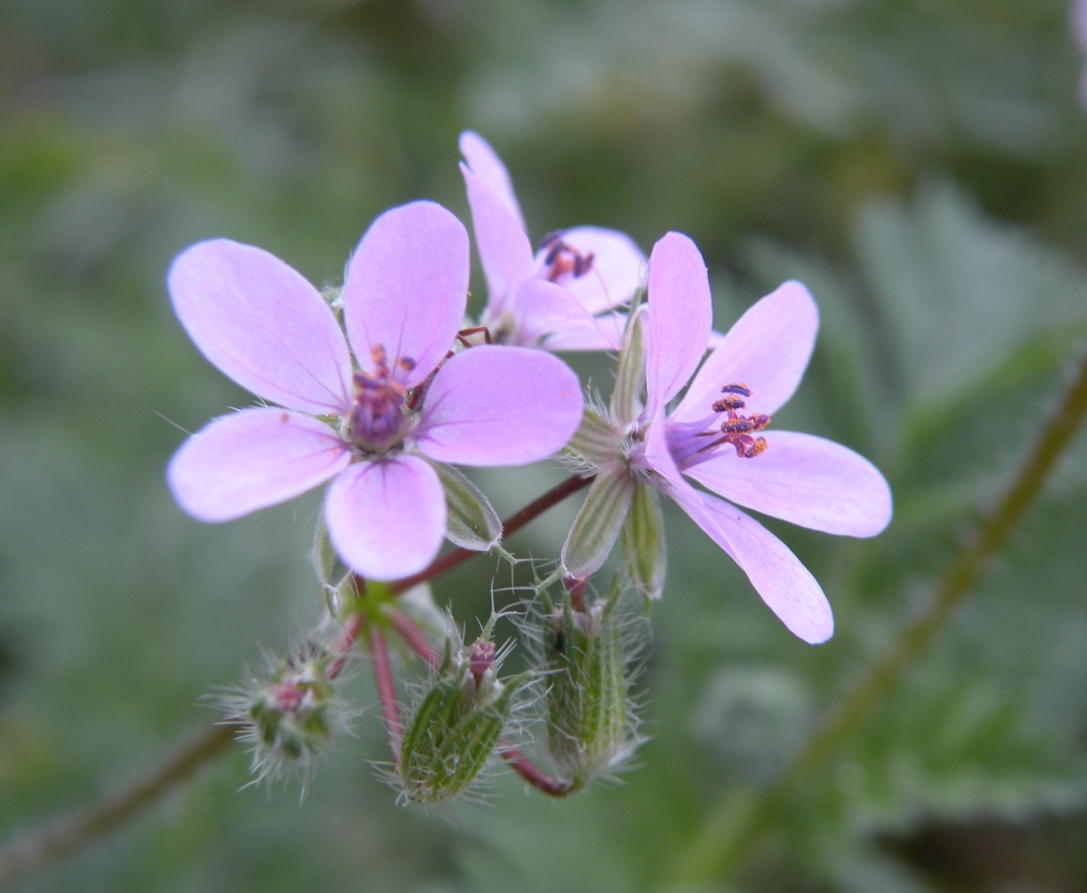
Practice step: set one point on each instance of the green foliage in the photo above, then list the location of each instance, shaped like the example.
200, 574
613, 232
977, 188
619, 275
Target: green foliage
919, 166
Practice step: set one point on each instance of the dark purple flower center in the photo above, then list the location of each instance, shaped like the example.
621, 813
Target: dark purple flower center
378, 422
562, 258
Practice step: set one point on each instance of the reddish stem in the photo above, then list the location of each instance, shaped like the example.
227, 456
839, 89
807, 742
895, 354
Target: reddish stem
413, 636
383, 676
344, 643
534, 775
515, 522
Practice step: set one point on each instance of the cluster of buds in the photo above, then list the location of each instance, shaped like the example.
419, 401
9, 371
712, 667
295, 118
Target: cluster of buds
289, 713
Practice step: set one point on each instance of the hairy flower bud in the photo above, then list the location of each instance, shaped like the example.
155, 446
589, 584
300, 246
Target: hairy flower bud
288, 714
589, 653
455, 726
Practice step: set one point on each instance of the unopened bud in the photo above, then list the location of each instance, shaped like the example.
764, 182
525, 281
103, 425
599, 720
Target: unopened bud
289, 714
589, 653
455, 727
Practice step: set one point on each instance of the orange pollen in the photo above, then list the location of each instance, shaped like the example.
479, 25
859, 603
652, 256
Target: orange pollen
561, 258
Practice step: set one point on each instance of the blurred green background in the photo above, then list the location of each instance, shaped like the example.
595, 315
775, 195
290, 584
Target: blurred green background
920, 165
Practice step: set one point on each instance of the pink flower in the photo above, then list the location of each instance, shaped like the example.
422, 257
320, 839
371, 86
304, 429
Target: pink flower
564, 297
718, 436
1078, 22
378, 430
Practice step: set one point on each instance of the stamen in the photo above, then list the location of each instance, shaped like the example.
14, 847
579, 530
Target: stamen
562, 258
377, 419
736, 428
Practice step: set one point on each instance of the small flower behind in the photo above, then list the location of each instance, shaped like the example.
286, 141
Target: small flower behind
718, 436
566, 296
383, 430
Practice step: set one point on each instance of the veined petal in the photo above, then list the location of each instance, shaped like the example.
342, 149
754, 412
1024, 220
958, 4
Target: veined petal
504, 250
261, 323
768, 350
680, 315
484, 162
617, 270
552, 317
492, 405
253, 459
787, 587
386, 519
594, 333
406, 287
806, 480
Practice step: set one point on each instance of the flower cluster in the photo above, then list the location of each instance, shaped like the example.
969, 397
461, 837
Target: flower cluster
383, 388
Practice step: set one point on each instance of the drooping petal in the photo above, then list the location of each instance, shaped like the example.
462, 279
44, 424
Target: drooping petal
680, 315
253, 459
768, 350
504, 250
386, 519
492, 405
484, 162
787, 587
806, 480
263, 324
407, 287
616, 271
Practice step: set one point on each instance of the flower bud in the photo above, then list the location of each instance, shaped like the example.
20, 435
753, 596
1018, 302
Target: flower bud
455, 727
589, 654
289, 714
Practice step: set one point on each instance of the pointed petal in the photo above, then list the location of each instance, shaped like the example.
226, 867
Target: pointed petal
768, 350
617, 270
262, 324
407, 287
484, 162
680, 316
504, 250
806, 480
492, 405
253, 459
386, 518
787, 587
598, 522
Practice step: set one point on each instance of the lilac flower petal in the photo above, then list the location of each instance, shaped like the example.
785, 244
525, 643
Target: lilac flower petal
617, 269
806, 480
787, 587
386, 519
253, 459
492, 405
680, 315
262, 324
594, 333
542, 307
1078, 22
407, 287
504, 250
484, 162
768, 350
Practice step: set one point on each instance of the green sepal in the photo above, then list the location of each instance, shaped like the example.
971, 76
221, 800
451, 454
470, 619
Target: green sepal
597, 442
644, 552
597, 525
471, 521
626, 398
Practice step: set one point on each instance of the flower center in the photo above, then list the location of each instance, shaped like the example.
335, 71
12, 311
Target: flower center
378, 422
729, 425
562, 259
